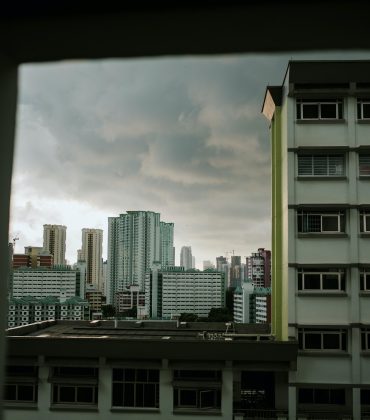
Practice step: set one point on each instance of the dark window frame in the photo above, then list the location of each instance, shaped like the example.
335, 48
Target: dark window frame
310, 166
322, 274
360, 108
134, 379
332, 395
302, 106
21, 376
365, 280
313, 221
317, 339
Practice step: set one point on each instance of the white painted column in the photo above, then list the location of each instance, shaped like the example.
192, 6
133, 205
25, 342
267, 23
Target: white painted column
44, 392
165, 391
356, 404
227, 391
104, 388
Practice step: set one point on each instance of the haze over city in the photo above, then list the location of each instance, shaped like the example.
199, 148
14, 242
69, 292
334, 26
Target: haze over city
182, 136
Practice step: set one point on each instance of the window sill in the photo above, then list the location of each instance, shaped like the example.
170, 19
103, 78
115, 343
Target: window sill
321, 178
323, 353
323, 121
365, 353
73, 407
135, 409
187, 411
322, 294
364, 177
363, 121
322, 235
364, 294
20, 405
365, 235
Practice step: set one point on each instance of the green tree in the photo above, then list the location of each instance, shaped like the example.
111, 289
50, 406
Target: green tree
220, 315
188, 317
108, 311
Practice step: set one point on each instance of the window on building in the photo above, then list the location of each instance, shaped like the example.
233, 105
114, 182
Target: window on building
135, 388
320, 165
365, 339
329, 279
365, 221
319, 109
363, 109
21, 384
319, 339
321, 221
322, 396
365, 396
364, 164
365, 280
74, 385
197, 390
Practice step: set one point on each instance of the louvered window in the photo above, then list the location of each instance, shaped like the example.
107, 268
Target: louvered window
364, 164
321, 165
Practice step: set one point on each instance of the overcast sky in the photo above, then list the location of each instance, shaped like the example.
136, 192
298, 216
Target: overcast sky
184, 137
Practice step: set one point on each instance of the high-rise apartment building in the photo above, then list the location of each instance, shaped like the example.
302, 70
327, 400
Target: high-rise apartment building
91, 253
220, 261
55, 242
235, 271
167, 248
252, 304
170, 292
258, 268
186, 258
320, 136
208, 264
133, 245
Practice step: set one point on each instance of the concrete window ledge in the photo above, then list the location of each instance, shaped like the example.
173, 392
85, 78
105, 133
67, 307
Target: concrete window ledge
322, 353
322, 235
186, 412
321, 178
364, 294
365, 235
20, 406
313, 121
135, 410
322, 294
73, 407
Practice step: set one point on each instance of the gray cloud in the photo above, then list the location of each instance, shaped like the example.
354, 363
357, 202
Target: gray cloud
183, 136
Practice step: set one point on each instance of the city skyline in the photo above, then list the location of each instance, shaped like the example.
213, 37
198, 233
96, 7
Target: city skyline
176, 136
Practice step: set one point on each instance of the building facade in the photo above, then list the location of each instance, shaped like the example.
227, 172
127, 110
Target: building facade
26, 310
133, 245
168, 293
91, 253
252, 304
258, 268
235, 271
186, 258
145, 369
130, 298
167, 248
320, 133
62, 282
55, 242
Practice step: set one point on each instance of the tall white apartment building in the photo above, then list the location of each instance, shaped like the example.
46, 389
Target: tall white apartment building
43, 282
186, 258
55, 242
91, 253
167, 248
320, 132
133, 245
170, 292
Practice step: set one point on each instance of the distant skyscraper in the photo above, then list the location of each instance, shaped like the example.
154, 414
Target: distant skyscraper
91, 253
133, 245
235, 271
55, 242
186, 258
258, 268
167, 249
192, 261
220, 261
208, 264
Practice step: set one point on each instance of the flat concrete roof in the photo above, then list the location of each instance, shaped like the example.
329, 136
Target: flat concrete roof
157, 340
